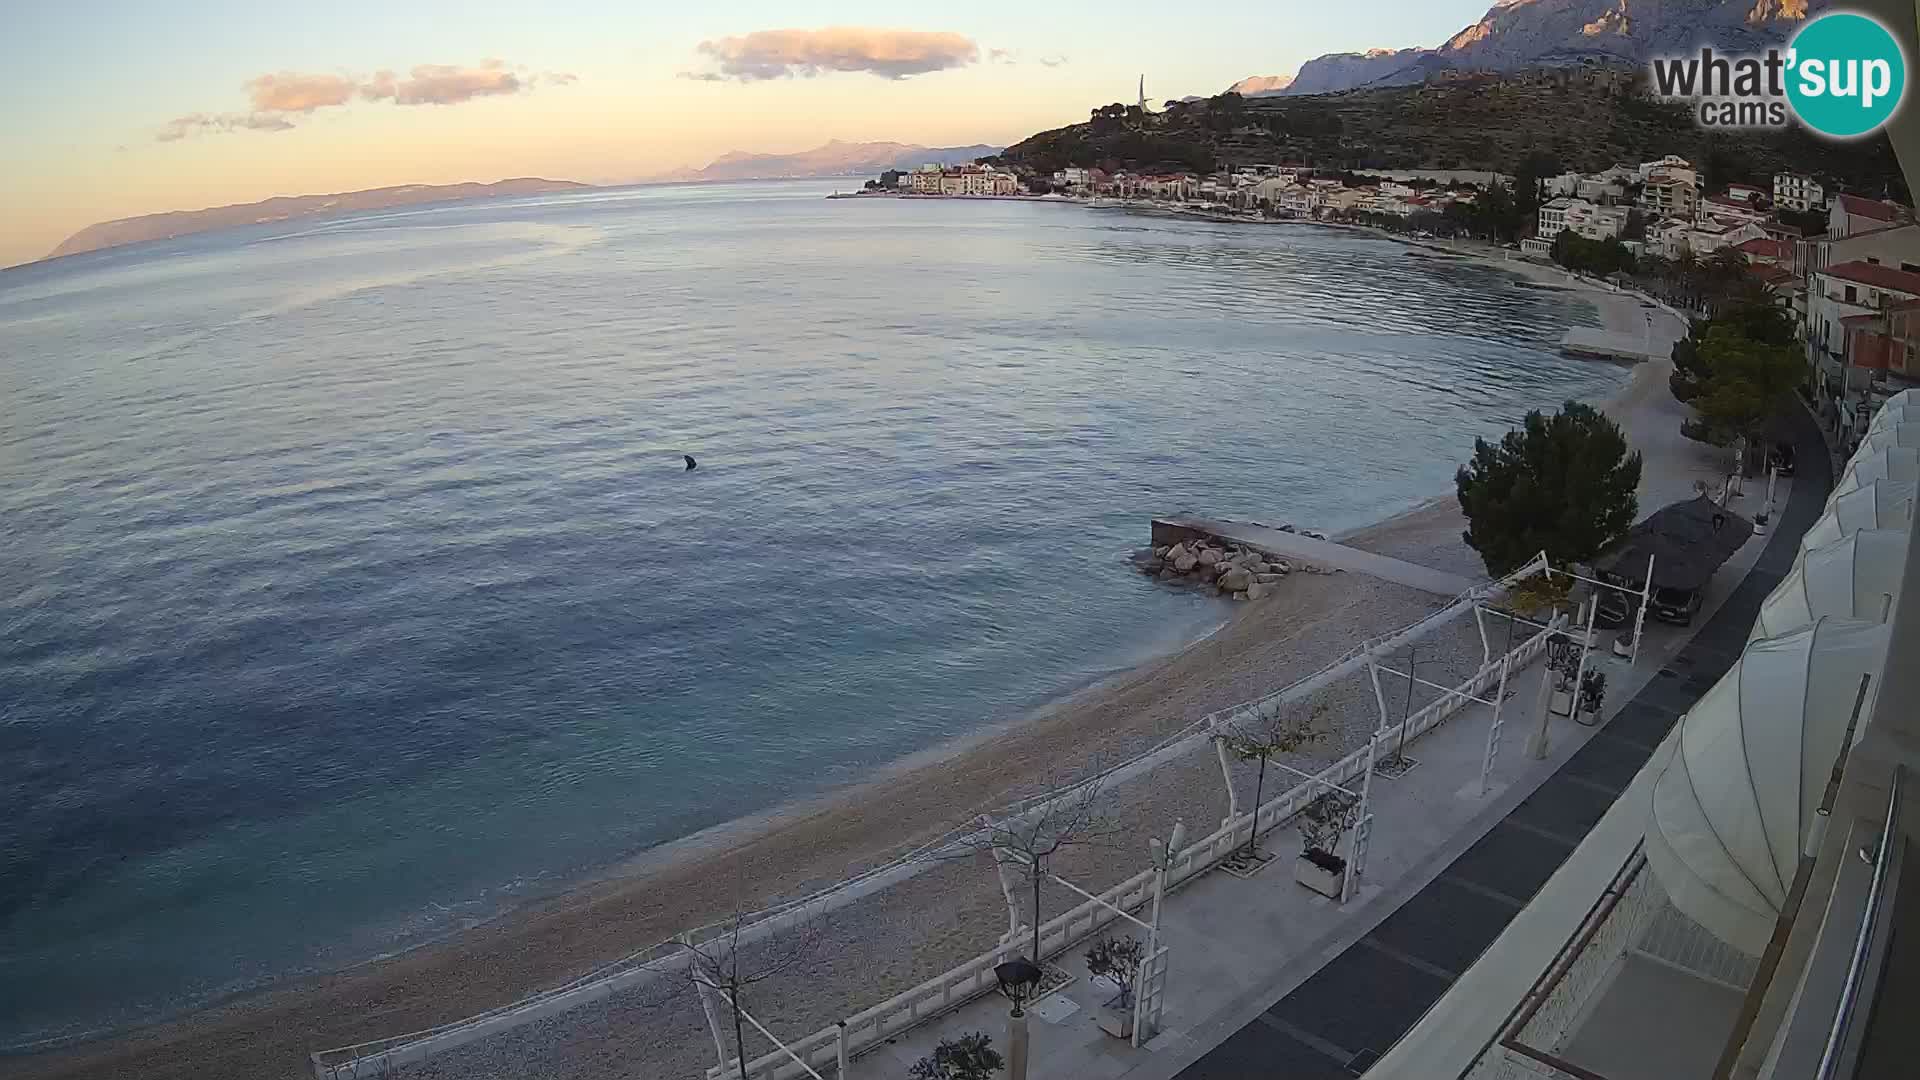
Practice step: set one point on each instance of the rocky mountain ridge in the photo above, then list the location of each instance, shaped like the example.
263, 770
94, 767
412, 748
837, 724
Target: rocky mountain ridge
1517, 34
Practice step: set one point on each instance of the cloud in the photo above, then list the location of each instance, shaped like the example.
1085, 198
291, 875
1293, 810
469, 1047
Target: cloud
1002, 56
443, 84
1052, 61
290, 91
278, 96
890, 54
204, 123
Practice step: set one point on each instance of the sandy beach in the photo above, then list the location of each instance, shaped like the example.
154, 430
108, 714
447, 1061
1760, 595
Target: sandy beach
889, 941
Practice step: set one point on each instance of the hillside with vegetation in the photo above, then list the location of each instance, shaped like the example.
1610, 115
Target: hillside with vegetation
1583, 118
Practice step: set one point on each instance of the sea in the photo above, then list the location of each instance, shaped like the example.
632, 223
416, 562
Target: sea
353, 587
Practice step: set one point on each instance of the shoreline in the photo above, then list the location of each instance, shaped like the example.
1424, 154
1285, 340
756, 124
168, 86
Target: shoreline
789, 848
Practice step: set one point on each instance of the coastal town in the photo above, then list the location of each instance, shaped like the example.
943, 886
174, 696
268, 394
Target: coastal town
1846, 265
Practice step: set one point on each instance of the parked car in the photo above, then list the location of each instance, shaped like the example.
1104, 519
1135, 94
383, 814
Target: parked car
1676, 605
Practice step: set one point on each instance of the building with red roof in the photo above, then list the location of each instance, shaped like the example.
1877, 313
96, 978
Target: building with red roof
1852, 214
1765, 251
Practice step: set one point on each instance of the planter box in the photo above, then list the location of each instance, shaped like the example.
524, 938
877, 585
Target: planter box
1561, 703
1116, 1022
1323, 873
1622, 647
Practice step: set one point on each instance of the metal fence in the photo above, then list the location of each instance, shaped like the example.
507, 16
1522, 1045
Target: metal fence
666, 959
1632, 916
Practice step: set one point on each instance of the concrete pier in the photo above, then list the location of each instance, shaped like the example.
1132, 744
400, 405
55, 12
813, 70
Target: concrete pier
1612, 345
1293, 546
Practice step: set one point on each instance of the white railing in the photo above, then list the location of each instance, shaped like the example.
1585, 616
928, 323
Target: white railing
974, 978
970, 979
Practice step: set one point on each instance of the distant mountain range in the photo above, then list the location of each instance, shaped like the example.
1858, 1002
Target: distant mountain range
1261, 85
1517, 34
835, 158
133, 230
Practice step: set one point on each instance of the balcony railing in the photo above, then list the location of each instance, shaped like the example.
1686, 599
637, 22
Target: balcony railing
1631, 917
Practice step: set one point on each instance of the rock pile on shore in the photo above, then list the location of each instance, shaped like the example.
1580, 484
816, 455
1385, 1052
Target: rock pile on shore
1236, 571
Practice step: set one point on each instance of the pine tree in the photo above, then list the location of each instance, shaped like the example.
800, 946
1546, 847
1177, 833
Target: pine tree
1563, 484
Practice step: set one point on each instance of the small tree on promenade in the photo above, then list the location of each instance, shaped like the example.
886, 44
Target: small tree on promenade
1265, 733
1563, 484
1028, 841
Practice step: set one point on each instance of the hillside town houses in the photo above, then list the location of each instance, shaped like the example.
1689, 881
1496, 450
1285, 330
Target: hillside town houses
962, 180
1855, 291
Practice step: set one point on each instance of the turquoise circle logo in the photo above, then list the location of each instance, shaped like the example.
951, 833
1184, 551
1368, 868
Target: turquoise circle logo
1846, 74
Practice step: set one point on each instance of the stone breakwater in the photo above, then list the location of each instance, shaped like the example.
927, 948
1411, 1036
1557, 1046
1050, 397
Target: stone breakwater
1235, 570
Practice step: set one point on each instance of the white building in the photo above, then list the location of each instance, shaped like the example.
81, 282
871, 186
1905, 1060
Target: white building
1648, 168
1792, 191
1731, 209
1582, 217
1567, 183
976, 180
1851, 215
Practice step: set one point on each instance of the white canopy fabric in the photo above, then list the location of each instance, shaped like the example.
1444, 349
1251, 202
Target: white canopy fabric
1905, 433
1855, 577
1740, 780
1897, 463
1883, 504
1901, 408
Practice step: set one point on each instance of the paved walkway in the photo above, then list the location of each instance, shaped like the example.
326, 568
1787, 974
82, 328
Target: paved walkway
1268, 980
1339, 1020
1289, 545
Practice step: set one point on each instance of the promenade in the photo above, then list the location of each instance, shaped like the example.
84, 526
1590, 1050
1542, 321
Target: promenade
1268, 979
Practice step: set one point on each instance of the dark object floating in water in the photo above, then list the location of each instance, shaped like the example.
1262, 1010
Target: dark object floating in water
691, 464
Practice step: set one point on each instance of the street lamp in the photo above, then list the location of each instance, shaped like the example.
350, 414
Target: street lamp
1019, 978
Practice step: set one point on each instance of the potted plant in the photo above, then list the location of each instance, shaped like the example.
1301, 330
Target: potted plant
1563, 661
969, 1057
1117, 961
1324, 821
1593, 691
1623, 642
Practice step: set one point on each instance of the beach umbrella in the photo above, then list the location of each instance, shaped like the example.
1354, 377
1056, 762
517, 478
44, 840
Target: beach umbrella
1855, 577
1894, 462
1740, 779
1883, 504
1905, 434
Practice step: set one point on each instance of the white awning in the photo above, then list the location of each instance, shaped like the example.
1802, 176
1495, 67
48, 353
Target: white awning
1740, 781
1901, 408
1855, 577
1897, 463
1883, 504
1905, 433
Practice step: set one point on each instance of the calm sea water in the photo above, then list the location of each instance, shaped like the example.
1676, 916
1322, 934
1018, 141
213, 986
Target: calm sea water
352, 587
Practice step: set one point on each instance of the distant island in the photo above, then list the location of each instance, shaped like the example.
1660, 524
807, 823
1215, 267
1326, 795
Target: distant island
174, 223
835, 158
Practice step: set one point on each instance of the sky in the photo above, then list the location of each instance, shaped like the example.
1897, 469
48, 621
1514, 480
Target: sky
117, 109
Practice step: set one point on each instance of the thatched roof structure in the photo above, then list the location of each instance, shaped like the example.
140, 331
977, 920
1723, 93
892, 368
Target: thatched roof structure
1688, 541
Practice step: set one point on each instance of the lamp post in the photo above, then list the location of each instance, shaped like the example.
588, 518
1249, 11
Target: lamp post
1019, 978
